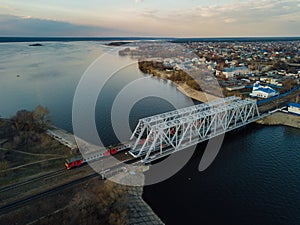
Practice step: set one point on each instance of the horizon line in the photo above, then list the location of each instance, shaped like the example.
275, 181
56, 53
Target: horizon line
144, 37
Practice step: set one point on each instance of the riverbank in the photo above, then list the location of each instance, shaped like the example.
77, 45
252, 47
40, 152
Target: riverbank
138, 211
184, 82
194, 94
281, 118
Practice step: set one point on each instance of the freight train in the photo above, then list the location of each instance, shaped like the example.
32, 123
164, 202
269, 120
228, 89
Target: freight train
77, 161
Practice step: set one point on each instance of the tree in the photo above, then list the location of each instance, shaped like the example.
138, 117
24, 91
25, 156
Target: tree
41, 118
6, 129
28, 126
280, 65
193, 84
23, 121
288, 84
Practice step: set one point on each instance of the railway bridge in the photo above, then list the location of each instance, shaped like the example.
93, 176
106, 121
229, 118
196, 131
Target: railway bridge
161, 135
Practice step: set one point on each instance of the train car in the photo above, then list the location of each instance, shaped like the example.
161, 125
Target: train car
75, 161
114, 149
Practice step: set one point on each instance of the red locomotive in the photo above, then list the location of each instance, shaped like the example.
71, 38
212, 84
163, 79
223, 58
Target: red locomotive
75, 161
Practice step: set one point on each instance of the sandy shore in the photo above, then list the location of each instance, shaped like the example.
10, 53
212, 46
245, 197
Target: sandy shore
281, 118
194, 94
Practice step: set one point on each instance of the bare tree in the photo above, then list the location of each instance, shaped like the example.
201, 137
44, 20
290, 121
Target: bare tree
41, 117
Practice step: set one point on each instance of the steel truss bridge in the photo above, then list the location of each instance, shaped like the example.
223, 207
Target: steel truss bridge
161, 135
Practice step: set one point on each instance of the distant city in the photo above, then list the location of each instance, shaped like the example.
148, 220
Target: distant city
259, 69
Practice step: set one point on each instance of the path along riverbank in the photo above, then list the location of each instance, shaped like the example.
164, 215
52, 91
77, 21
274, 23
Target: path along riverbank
194, 94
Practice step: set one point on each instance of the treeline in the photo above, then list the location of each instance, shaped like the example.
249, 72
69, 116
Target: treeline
25, 127
150, 66
175, 75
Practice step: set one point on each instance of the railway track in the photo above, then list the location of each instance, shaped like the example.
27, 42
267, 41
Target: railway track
22, 202
44, 176
17, 204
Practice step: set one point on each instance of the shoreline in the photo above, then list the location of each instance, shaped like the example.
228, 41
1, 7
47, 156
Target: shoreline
194, 94
281, 118
185, 89
278, 118
139, 211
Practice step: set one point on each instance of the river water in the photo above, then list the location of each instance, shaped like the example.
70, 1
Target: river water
255, 178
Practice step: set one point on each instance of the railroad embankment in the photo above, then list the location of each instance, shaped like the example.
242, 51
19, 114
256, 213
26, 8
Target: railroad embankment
281, 118
139, 212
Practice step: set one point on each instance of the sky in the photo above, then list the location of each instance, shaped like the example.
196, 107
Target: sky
156, 18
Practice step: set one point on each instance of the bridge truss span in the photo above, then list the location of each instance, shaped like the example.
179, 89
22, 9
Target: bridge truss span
163, 134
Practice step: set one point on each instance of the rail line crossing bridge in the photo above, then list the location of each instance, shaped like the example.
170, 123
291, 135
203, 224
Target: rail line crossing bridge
158, 136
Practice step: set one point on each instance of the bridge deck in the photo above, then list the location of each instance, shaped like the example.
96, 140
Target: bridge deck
160, 135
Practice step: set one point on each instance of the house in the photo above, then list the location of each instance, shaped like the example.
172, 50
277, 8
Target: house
294, 108
262, 91
233, 70
228, 72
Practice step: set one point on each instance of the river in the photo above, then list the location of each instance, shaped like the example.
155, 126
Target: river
255, 178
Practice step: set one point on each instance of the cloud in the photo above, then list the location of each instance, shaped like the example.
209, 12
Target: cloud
265, 8
243, 18
234, 18
229, 20
27, 26
150, 14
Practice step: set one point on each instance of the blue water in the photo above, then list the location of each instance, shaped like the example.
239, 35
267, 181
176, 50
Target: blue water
71, 39
48, 75
255, 178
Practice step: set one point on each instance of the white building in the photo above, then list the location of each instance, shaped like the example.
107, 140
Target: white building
262, 91
294, 108
233, 71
